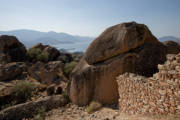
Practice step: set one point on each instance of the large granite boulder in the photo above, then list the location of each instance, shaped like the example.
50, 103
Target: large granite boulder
116, 40
126, 47
172, 47
11, 50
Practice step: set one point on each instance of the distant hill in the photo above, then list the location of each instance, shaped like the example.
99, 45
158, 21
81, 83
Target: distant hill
172, 38
32, 37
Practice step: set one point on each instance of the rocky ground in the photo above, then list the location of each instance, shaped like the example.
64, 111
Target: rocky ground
73, 112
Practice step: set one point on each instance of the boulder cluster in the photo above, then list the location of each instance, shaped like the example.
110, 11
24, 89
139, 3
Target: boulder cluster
43, 66
152, 95
41, 62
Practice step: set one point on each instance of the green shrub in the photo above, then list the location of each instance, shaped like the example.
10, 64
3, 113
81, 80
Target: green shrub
23, 91
69, 67
65, 95
44, 57
32, 53
35, 54
93, 106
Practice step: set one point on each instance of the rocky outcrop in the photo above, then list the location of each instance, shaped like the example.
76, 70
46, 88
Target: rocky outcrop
172, 47
11, 50
47, 73
159, 94
12, 70
29, 109
53, 53
127, 47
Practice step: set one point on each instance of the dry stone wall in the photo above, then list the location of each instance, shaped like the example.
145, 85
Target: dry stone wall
159, 94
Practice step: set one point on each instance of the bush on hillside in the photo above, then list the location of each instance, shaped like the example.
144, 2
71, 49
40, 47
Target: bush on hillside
69, 68
32, 53
35, 54
23, 91
44, 57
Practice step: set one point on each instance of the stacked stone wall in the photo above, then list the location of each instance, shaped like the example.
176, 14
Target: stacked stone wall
159, 94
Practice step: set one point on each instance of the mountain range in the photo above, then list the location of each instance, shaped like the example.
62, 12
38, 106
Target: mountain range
64, 40
32, 37
172, 38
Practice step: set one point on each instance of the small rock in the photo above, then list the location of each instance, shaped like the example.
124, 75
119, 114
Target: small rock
50, 90
162, 92
160, 67
106, 119
178, 107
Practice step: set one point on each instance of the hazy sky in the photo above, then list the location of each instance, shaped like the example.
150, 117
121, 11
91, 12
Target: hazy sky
89, 17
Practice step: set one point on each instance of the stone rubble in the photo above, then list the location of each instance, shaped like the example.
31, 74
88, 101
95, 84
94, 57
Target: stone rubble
159, 94
74, 112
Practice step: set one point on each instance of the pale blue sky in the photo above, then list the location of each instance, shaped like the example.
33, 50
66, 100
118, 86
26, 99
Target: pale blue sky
89, 17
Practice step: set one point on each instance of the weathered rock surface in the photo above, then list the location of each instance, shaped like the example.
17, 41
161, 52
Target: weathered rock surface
28, 109
47, 73
172, 47
127, 47
11, 50
6, 94
11, 70
116, 40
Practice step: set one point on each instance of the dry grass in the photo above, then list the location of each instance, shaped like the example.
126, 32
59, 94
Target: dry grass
93, 106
